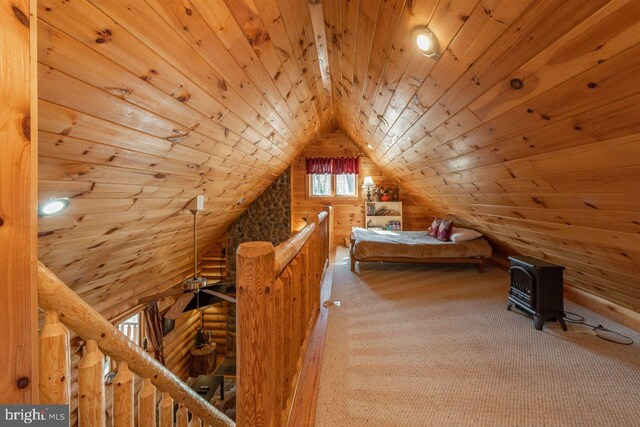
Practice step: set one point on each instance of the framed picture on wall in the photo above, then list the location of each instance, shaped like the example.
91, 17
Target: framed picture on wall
167, 325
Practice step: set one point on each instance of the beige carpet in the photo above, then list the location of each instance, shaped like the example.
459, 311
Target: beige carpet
435, 346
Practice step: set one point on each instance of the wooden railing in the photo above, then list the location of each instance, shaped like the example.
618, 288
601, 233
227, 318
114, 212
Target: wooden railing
278, 294
63, 306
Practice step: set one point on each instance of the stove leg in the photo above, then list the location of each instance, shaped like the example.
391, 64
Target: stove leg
538, 321
509, 306
562, 323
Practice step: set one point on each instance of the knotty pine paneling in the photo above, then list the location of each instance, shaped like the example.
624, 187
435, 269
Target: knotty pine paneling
525, 127
347, 212
143, 106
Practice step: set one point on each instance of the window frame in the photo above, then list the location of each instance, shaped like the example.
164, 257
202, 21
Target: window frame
333, 188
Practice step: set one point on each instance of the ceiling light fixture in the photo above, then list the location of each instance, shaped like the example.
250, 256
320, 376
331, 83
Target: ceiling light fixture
52, 206
426, 41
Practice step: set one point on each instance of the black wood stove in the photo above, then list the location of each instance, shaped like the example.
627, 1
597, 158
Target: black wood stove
536, 288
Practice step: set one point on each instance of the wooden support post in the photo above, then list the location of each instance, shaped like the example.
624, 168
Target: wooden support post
19, 382
182, 417
255, 398
123, 397
91, 407
166, 410
147, 405
54, 361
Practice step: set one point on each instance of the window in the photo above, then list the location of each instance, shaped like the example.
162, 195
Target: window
346, 184
328, 185
320, 184
131, 328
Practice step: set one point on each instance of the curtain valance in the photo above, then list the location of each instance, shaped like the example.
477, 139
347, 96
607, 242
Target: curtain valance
333, 165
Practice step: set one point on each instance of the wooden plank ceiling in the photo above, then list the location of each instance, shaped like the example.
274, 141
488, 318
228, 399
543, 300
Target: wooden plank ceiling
144, 105
526, 126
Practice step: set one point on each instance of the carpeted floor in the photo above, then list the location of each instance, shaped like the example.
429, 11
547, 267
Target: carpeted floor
415, 345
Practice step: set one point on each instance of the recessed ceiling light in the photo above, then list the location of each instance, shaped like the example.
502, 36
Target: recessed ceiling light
52, 206
426, 41
369, 145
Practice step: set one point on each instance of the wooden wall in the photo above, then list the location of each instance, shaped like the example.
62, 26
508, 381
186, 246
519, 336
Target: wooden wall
348, 212
18, 180
526, 127
144, 105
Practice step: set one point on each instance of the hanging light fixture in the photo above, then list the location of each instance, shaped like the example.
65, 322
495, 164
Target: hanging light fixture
426, 41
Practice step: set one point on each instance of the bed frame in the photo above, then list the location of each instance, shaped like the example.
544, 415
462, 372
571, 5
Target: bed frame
477, 261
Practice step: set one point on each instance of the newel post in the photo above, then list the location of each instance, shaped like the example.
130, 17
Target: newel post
54, 361
256, 403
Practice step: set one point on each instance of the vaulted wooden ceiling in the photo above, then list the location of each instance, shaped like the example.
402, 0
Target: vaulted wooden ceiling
526, 126
144, 105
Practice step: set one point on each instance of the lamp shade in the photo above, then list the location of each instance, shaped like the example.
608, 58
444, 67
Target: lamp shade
368, 182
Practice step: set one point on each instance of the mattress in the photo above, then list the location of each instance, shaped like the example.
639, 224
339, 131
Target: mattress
413, 244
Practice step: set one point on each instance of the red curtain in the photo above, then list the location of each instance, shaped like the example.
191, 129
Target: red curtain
349, 165
333, 165
319, 165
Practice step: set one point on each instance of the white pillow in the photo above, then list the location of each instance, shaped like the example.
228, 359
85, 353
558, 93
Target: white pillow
463, 234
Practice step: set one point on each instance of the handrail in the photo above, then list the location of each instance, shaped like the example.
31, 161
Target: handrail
54, 295
288, 249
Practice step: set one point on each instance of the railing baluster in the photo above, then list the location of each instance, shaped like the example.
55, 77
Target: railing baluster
54, 360
182, 417
278, 367
166, 410
147, 405
195, 421
305, 282
91, 406
287, 318
123, 397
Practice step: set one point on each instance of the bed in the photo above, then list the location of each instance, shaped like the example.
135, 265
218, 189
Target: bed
414, 247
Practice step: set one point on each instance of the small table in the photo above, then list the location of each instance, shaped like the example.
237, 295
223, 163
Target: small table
227, 369
203, 360
210, 382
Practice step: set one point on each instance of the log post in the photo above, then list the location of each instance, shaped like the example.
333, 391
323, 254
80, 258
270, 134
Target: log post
166, 410
91, 407
123, 397
147, 405
54, 361
255, 398
19, 381
182, 417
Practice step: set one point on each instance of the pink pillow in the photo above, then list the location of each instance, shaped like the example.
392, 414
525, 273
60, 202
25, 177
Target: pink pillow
435, 225
444, 231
